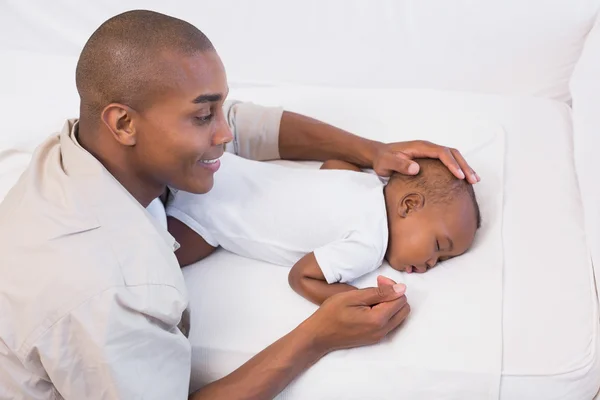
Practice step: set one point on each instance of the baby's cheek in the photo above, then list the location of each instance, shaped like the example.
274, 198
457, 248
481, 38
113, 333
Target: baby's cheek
418, 249
399, 264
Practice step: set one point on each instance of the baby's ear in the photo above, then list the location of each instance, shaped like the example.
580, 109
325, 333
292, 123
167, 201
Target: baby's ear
410, 203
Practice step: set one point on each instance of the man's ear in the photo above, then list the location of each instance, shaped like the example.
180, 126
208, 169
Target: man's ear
410, 203
118, 118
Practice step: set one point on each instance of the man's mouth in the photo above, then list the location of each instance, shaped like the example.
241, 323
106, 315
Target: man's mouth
212, 164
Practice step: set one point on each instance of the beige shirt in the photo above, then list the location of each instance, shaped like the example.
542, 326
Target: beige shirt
90, 290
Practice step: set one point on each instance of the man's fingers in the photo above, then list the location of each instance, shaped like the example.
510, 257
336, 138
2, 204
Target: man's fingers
397, 318
384, 280
396, 162
387, 310
451, 158
375, 295
447, 157
471, 175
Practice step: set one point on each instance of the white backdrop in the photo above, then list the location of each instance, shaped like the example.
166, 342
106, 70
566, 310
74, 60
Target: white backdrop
509, 46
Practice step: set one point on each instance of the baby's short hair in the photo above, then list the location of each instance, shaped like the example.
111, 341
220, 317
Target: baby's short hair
438, 184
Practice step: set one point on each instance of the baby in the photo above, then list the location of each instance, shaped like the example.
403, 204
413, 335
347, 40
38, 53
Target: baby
334, 225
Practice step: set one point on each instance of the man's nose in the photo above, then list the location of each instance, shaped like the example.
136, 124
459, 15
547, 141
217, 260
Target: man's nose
223, 133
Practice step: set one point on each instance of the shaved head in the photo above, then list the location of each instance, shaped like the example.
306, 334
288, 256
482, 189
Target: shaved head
127, 60
152, 89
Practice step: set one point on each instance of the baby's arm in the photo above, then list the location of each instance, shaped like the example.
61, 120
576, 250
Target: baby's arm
307, 279
193, 247
338, 164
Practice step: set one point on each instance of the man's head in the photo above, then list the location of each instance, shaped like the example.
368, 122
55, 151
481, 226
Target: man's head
433, 216
151, 89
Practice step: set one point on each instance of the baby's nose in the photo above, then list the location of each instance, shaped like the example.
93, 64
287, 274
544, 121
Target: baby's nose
432, 262
420, 268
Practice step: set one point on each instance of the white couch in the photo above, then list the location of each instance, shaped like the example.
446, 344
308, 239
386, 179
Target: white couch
522, 326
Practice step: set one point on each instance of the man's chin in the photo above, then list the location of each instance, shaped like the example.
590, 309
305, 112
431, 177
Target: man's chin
197, 187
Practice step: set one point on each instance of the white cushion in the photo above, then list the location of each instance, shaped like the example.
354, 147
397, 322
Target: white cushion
509, 46
549, 319
585, 87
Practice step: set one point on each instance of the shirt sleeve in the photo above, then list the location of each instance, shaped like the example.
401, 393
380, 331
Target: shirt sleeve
350, 258
255, 130
189, 208
114, 347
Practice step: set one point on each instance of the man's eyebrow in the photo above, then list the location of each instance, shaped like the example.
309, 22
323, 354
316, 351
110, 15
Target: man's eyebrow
450, 244
207, 98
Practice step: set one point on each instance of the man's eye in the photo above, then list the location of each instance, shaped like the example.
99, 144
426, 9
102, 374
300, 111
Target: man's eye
203, 119
437, 245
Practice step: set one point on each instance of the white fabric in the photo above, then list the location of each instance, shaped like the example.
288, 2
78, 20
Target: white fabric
585, 86
255, 130
91, 292
547, 315
279, 214
497, 46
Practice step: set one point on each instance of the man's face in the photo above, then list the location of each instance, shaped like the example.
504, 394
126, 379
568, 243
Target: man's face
431, 234
181, 135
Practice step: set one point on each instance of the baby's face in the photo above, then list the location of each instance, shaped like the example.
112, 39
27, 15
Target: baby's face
434, 233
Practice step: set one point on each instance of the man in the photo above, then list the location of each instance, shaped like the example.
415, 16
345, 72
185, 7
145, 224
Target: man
91, 293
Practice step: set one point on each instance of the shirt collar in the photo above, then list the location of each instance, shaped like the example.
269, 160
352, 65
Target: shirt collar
103, 192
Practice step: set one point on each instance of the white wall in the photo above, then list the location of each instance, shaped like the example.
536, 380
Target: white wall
498, 46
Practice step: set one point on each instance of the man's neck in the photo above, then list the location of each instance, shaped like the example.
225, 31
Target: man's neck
112, 158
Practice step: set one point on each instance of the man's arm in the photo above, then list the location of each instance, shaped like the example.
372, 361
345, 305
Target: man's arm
120, 344
307, 279
266, 133
305, 138
269, 372
338, 164
350, 319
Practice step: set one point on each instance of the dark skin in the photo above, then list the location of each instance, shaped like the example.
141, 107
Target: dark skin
422, 233
165, 144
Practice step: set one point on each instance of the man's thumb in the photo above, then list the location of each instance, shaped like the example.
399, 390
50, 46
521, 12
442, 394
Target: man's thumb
397, 162
384, 280
381, 294
406, 165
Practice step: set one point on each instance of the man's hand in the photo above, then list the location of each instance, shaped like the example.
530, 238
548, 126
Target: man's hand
397, 157
358, 317
304, 138
349, 319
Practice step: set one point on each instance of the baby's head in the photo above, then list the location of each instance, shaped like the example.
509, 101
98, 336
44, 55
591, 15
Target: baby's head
432, 217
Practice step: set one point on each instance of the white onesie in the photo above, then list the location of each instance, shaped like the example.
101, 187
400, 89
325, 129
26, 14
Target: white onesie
279, 214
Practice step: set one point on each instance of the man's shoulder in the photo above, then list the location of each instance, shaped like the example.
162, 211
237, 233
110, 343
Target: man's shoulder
64, 240
45, 201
